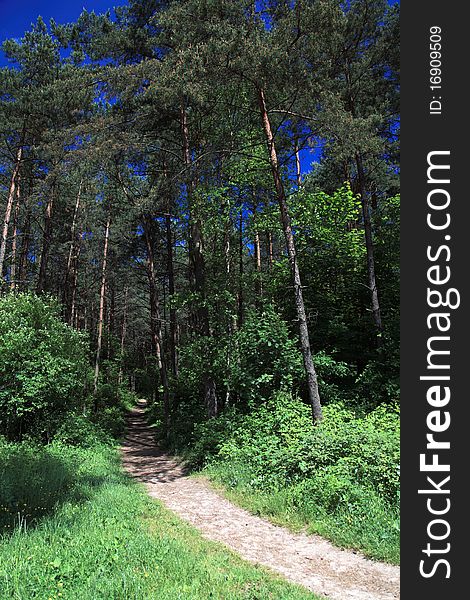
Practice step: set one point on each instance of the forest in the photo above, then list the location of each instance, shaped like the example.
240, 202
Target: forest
201, 209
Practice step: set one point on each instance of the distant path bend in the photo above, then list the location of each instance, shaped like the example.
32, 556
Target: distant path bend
307, 560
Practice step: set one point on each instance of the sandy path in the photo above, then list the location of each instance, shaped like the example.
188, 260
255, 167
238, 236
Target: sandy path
310, 561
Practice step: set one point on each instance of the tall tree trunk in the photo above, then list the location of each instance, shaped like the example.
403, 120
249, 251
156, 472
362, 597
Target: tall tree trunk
101, 310
196, 251
8, 210
156, 321
23, 259
232, 321
70, 271
369, 248
269, 240
46, 242
259, 281
312, 384
171, 292
240, 272
361, 180
123, 335
73, 296
111, 317
197, 264
298, 169
14, 242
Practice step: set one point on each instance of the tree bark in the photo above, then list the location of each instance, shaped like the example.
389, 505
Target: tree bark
171, 292
196, 249
361, 180
73, 298
8, 210
123, 335
269, 236
312, 384
197, 264
369, 249
14, 242
23, 260
46, 242
155, 320
298, 170
70, 282
259, 281
101, 310
240, 311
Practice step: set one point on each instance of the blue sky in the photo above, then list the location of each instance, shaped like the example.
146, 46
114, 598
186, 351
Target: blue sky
16, 16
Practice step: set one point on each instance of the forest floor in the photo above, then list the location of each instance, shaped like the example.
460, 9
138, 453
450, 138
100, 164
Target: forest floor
307, 560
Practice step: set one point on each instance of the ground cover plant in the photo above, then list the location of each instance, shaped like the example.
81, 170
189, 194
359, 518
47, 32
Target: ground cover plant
78, 528
340, 480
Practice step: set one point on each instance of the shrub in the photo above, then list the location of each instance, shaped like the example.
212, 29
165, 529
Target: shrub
78, 430
265, 359
277, 444
43, 365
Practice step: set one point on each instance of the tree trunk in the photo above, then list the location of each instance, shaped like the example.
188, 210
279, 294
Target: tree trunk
240, 272
46, 243
171, 292
74, 284
8, 210
111, 317
14, 242
23, 259
210, 395
156, 322
70, 271
123, 335
196, 254
197, 264
259, 281
269, 236
369, 248
101, 311
312, 385
361, 179
298, 170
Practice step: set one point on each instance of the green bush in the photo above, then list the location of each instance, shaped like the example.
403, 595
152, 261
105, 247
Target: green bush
266, 359
339, 478
277, 444
77, 430
112, 420
43, 366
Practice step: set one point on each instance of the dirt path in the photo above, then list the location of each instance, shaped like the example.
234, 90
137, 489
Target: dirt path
310, 561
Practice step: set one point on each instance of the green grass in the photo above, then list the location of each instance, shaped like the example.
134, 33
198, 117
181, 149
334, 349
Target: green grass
361, 521
88, 533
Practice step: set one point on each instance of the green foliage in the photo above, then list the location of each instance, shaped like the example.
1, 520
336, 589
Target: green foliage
265, 358
43, 366
78, 430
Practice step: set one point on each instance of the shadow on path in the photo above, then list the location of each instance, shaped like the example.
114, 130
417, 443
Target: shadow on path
143, 459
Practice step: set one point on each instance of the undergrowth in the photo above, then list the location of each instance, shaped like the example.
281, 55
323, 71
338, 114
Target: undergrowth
339, 479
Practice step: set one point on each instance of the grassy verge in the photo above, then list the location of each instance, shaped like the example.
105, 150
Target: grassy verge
339, 479
83, 531
368, 526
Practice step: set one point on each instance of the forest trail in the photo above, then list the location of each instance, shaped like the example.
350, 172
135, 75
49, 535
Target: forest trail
309, 560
